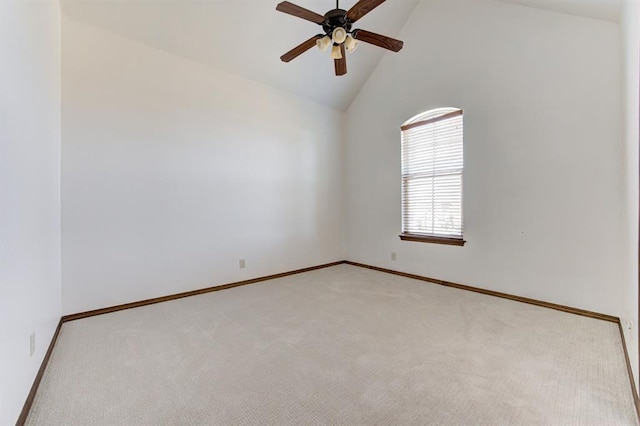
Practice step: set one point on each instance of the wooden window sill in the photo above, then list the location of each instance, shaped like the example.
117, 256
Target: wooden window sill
431, 239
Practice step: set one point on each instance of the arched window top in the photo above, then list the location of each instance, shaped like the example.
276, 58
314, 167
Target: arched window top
428, 115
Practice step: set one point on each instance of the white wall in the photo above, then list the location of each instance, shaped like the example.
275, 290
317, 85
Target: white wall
29, 192
541, 92
172, 172
630, 31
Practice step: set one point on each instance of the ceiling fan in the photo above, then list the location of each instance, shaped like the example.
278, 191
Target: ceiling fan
336, 25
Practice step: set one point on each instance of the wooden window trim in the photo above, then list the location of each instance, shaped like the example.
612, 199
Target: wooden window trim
432, 239
431, 120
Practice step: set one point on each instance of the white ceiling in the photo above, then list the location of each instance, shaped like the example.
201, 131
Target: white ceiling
247, 38
608, 10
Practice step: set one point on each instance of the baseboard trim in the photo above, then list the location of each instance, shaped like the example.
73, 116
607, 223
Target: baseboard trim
34, 388
36, 382
527, 300
634, 391
161, 299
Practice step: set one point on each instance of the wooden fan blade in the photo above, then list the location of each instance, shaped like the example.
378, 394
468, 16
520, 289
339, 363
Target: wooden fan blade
300, 49
341, 64
300, 12
362, 8
378, 40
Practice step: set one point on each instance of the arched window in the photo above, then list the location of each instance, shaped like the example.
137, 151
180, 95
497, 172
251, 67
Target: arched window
432, 174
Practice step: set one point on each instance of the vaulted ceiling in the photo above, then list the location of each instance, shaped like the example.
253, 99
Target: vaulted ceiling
608, 10
247, 37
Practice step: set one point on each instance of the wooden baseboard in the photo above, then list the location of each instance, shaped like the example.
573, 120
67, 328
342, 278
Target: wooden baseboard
36, 382
190, 293
536, 302
27, 406
34, 388
634, 391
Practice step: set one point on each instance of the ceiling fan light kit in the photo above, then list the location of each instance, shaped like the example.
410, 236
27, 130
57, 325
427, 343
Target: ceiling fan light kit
336, 52
336, 25
323, 43
351, 44
339, 35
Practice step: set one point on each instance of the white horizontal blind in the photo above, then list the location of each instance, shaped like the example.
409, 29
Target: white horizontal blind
432, 165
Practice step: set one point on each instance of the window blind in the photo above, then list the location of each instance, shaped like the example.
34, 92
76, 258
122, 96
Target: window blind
432, 166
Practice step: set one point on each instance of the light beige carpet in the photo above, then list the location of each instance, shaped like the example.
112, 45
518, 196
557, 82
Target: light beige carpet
342, 345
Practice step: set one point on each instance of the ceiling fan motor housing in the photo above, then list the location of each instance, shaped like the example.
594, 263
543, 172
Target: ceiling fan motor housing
336, 18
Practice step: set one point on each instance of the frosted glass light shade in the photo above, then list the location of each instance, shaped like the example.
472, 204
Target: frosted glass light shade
351, 44
339, 35
336, 53
323, 43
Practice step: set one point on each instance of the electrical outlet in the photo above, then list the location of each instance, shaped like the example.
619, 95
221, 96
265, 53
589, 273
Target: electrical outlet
393, 256
32, 344
242, 263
